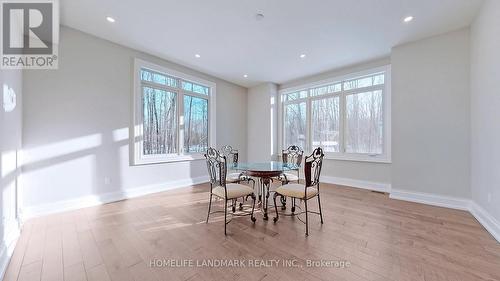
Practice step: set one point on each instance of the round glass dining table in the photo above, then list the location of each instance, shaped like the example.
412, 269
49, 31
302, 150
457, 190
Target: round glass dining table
265, 171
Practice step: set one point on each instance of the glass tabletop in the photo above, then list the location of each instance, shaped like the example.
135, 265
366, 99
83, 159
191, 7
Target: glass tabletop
265, 167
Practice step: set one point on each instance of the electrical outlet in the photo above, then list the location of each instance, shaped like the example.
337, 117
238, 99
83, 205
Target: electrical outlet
107, 180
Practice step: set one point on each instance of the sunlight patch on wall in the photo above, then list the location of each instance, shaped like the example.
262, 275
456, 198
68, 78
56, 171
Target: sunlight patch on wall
63, 179
8, 202
120, 134
9, 98
62, 149
9, 162
9, 175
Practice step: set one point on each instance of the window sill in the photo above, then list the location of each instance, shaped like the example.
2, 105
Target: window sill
360, 158
169, 159
353, 158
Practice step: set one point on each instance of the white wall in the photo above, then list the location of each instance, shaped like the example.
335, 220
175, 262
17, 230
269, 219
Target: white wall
262, 122
76, 122
10, 146
485, 109
361, 174
431, 116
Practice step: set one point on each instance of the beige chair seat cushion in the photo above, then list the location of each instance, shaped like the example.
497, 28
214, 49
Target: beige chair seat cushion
289, 177
234, 190
296, 190
233, 177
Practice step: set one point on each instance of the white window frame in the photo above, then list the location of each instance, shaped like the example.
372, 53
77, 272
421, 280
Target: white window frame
385, 157
136, 144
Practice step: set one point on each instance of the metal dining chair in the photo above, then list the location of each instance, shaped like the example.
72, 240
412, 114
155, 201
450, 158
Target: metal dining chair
232, 156
217, 170
307, 191
292, 155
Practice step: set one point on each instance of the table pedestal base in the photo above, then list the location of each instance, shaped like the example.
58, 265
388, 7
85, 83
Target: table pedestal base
265, 184
265, 177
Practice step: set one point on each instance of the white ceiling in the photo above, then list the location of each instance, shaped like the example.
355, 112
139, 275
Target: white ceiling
232, 42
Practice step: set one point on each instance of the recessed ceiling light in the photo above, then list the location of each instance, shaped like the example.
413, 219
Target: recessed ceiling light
259, 16
110, 19
408, 19
197, 55
302, 56
245, 75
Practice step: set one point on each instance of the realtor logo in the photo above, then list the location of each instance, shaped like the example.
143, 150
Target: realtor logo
30, 33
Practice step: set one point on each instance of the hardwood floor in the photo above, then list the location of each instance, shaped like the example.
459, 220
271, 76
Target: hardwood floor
382, 239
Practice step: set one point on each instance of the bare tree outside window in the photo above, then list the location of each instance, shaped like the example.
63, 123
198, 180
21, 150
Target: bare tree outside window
295, 124
364, 123
326, 123
166, 101
195, 124
159, 121
344, 116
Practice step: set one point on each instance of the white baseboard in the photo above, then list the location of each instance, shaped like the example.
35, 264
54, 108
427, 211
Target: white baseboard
375, 186
8, 245
94, 200
431, 199
486, 219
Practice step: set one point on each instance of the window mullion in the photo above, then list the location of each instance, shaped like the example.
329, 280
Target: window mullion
181, 121
308, 126
139, 122
342, 129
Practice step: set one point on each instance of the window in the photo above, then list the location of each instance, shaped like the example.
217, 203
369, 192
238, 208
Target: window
295, 124
195, 124
325, 123
364, 123
349, 117
174, 115
159, 121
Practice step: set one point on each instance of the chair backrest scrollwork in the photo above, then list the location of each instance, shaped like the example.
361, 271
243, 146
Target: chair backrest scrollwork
312, 167
231, 155
217, 167
292, 155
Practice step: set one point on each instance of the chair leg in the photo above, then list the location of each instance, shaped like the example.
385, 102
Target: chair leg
225, 216
266, 199
260, 189
283, 202
209, 207
307, 220
275, 219
253, 207
234, 205
320, 212
253, 185
293, 205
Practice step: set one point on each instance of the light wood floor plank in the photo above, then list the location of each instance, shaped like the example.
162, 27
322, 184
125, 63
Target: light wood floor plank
52, 266
382, 239
75, 272
98, 273
31, 272
34, 250
16, 260
90, 253
71, 247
